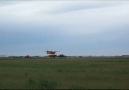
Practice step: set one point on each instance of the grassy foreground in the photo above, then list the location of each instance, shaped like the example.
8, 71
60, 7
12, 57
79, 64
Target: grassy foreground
66, 73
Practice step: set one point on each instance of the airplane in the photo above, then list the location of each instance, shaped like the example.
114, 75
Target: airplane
52, 53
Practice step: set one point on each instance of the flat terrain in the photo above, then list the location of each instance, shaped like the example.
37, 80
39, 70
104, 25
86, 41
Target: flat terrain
64, 73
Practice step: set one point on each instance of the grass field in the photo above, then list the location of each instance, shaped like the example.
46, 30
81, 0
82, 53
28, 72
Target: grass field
65, 73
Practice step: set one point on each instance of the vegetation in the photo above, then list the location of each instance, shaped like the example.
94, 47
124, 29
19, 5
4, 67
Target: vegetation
64, 73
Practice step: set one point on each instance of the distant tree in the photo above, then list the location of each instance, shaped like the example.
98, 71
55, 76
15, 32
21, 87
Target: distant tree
62, 56
27, 56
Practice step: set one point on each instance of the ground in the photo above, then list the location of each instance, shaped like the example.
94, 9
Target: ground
64, 73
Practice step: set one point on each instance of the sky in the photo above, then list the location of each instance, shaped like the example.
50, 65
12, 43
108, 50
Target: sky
72, 27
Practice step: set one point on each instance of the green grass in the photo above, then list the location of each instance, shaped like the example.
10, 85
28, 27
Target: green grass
65, 73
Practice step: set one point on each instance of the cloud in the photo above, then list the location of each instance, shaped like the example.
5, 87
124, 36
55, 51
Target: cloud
76, 28
36, 10
92, 21
87, 16
82, 5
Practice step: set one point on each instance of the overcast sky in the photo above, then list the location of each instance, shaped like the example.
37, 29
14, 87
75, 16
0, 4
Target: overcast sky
71, 27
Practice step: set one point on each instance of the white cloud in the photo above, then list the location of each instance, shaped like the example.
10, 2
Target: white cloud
31, 9
71, 17
91, 20
25, 10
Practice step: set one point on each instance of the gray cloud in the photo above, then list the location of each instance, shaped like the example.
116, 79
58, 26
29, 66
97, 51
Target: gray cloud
84, 5
95, 29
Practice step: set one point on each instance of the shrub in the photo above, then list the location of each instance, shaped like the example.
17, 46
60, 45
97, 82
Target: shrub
47, 84
30, 83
